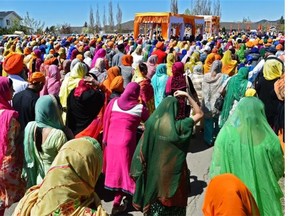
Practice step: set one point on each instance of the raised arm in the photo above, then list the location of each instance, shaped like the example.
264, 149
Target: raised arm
197, 110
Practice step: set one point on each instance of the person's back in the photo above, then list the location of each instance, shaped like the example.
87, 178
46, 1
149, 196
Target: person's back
250, 135
116, 59
226, 195
24, 101
160, 53
43, 139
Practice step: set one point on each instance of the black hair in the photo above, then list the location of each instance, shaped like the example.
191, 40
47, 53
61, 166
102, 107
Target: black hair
93, 75
143, 68
38, 139
10, 82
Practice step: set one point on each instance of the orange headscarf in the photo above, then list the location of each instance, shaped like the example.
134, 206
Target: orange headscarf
117, 84
227, 195
127, 60
111, 74
229, 66
208, 62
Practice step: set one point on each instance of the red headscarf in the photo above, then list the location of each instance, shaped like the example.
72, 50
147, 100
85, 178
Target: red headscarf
178, 79
81, 88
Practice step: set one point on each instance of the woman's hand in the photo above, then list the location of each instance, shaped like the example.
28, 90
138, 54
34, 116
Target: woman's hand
91, 81
180, 93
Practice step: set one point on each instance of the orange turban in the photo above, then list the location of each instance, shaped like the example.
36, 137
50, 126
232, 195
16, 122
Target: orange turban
249, 44
117, 84
270, 40
50, 61
13, 63
160, 45
92, 42
214, 50
80, 49
80, 57
260, 41
127, 60
218, 57
110, 44
37, 77
27, 51
279, 47
255, 42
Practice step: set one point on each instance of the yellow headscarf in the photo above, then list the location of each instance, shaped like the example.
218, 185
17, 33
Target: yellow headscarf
194, 60
170, 61
229, 66
70, 182
77, 73
250, 92
272, 69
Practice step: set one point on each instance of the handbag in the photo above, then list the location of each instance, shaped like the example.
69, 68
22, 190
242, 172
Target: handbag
219, 102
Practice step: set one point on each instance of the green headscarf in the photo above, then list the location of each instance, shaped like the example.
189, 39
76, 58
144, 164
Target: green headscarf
47, 115
241, 53
235, 90
160, 154
248, 148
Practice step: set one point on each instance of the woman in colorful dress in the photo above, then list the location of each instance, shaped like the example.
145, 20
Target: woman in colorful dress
43, 139
253, 153
12, 187
158, 82
229, 66
146, 89
69, 83
211, 88
235, 90
68, 187
121, 119
159, 163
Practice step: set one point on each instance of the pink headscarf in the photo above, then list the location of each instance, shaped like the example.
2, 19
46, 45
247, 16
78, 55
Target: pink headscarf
53, 81
151, 66
101, 53
130, 96
5, 116
4, 93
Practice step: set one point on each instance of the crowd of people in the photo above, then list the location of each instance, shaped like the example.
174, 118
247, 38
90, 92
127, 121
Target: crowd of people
75, 107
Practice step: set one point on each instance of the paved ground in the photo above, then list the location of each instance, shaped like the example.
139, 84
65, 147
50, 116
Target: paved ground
198, 159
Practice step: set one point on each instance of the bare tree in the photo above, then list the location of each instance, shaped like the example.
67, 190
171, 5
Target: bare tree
65, 28
36, 26
174, 6
111, 20
119, 18
202, 7
91, 21
98, 22
104, 19
217, 8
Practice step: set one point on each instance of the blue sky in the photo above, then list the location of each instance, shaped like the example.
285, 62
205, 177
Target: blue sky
76, 12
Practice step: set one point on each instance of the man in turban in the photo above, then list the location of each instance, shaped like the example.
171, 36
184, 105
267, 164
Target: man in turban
13, 65
116, 59
160, 52
24, 101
